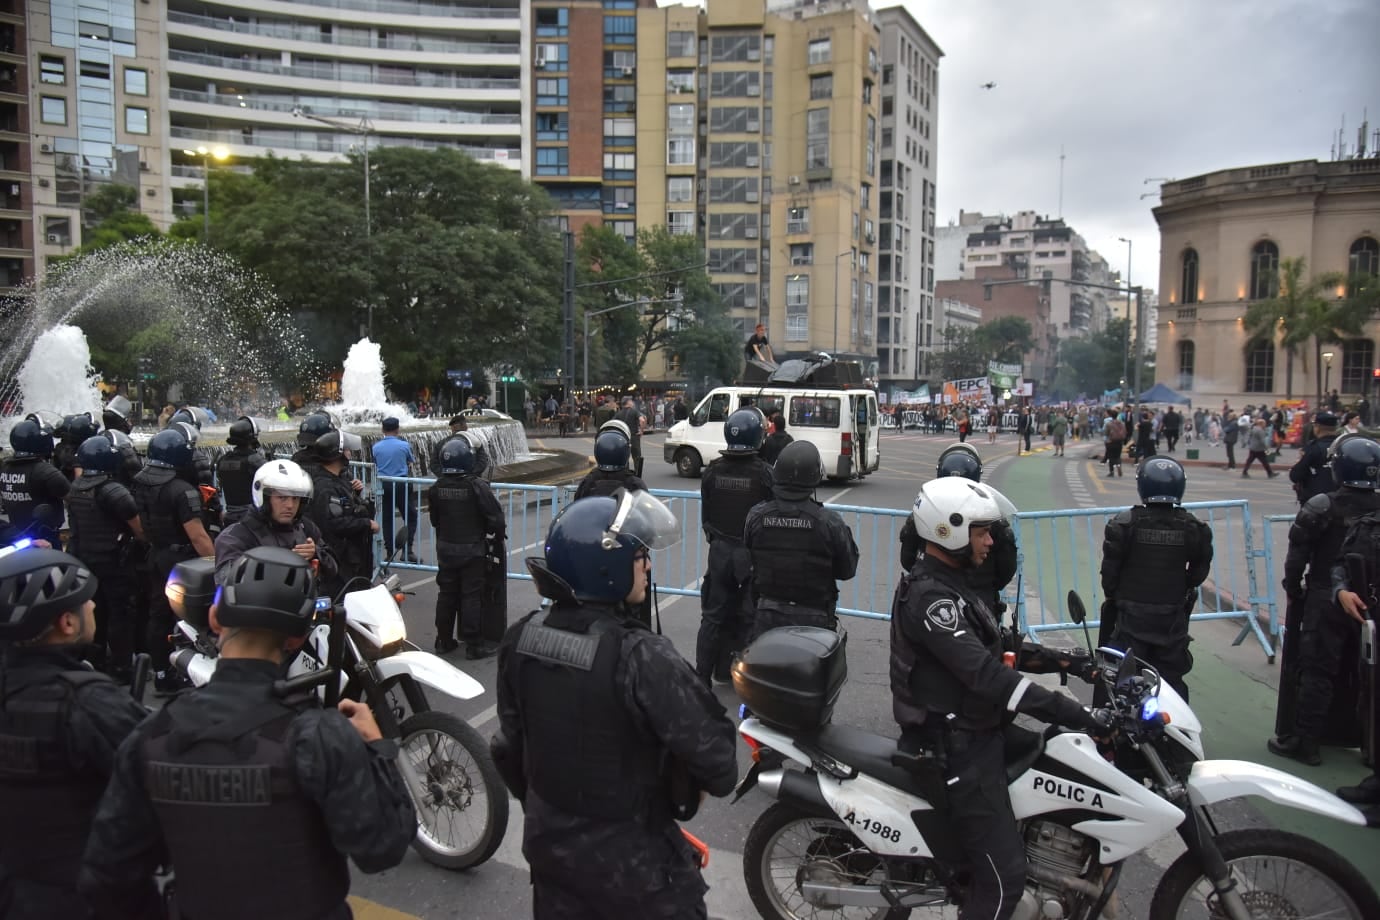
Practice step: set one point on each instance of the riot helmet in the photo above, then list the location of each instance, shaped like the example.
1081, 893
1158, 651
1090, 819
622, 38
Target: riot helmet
457, 456
312, 428
244, 432
612, 450
960, 460
335, 445
947, 508
36, 585
280, 477
77, 428
592, 544
118, 438
618, 425
170, 449
186, 415
99, 455
270, 588
744, 431
31, 438
116, 414
798, 469
1160, 481
1355, 462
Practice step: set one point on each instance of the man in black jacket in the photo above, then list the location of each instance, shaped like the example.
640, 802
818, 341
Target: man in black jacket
777, 440
278, 501
630, 417
584, 690
465, 516
28, 480
60, 724
257, 798
339, 509
800, 550
1310, 475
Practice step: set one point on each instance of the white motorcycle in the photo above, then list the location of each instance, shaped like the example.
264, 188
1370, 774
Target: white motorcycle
853, 834
461, 802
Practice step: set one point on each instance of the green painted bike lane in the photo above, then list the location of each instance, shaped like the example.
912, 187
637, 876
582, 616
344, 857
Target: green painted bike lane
1234, 688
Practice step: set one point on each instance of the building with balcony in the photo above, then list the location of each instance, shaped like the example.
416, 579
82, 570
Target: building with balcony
16, 149
1222, 237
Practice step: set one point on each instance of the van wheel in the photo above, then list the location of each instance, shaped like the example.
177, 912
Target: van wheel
688, 462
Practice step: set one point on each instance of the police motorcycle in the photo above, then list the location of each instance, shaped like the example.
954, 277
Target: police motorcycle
855, 831
461, 803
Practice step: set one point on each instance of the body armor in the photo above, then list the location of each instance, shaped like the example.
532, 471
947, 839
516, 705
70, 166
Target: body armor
94, 507
732, 485
457, 514
791, 559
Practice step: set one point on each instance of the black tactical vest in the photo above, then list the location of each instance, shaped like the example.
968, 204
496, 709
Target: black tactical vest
791, 559
21, 490
230, 809
1320, 480
96, 532
583, 754
730, 488
605, 482
456, 507
235, 475
40, 786
1155, 567
1344, 508
155, 514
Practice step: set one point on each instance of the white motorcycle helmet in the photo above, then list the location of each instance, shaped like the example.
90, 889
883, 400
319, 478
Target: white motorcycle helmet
946, 508
281, 477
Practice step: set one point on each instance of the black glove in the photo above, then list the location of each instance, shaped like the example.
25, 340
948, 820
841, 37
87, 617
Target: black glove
1292, 590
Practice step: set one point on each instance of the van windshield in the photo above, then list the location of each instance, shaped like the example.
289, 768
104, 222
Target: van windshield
814, 412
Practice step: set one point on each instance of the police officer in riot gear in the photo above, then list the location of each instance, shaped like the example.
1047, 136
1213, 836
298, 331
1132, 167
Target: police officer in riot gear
463, 513
130, 461
952, 695
1319, 637
235, 470
612, 452
278, 499
996, 571
71, 434
116, 414
170, 509
60, 724
257, 798
309, 431
583, 690
339, 508
28, 480
1310, 474
104, 519
1154, 557
800, 550
729, 489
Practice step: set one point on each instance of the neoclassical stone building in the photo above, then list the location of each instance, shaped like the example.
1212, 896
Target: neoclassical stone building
1222, 236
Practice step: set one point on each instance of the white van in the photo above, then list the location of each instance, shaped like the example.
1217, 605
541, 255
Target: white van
842, 423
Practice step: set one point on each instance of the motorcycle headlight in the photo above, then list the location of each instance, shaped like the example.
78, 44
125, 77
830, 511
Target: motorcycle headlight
1150, 709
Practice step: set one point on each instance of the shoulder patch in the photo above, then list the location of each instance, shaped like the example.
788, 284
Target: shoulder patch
943, 613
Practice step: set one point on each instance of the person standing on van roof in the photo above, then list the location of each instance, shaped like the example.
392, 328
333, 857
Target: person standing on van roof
800, 550
758, 348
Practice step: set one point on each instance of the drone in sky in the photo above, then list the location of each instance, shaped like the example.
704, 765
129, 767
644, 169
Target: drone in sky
991, 85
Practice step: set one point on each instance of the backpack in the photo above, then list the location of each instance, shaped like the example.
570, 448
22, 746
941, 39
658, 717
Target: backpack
1116, 431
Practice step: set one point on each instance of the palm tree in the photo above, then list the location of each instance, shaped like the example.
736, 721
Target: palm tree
1296, 313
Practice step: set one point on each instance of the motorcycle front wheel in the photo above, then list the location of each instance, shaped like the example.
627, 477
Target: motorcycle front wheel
1278, 874
463, 813
787, 846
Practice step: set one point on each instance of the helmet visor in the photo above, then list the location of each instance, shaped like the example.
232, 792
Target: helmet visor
643, 517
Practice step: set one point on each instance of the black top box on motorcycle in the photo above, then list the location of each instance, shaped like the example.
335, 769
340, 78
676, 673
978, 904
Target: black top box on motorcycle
191, 589
791, 677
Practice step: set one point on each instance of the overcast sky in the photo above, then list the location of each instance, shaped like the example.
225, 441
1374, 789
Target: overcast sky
1134, 89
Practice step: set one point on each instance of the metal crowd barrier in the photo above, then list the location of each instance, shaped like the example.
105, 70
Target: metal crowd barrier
1274, 573
1059, 550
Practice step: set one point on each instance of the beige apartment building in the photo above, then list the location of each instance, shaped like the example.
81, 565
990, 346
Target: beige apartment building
758, 129
1222, 236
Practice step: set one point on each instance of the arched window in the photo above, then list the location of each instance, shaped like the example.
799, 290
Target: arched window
1264, 271
1358, 359
1186, 355
1362, 261
1260, 367
1189, 288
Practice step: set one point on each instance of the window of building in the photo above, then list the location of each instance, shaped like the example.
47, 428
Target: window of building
1264, 271
1358, 360
802, 253
733, 225
735, 83
620, 132
680, 81
731, 190
734, 155
53, 110
1362, 261
731, 260
680, 151
553, 161
554, 126
1189, 290
822, 86
816, 138
1260, 368
820, 51
552, 56
735, 119
731, 48
680, 188
620, 165
888, 74
867, 92
620, 97
680, 118
680, 223
870, 154
553, 22
797, 220
620, 30
553, 91
1185, 351
52, 70
680, 44
619, 198
136, 119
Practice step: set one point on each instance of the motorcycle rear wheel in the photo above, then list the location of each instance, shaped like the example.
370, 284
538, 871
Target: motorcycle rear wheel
784, 842
462, 819
1278, 874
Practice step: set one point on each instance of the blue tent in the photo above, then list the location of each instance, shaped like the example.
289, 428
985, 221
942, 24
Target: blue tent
1159, 393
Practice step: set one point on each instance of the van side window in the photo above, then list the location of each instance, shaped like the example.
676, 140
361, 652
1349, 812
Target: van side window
814, 412
718, 407
770, 405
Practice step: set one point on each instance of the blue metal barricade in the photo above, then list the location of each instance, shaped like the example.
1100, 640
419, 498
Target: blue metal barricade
1274, 570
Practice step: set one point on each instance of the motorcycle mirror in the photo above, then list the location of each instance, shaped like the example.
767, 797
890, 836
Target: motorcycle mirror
1077, 612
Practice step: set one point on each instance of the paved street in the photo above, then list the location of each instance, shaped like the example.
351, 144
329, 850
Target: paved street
1233, 686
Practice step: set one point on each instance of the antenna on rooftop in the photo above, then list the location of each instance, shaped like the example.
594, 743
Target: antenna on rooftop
1061, 180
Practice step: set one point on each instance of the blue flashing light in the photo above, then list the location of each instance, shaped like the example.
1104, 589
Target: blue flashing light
1150, 709
15, 547
743, 711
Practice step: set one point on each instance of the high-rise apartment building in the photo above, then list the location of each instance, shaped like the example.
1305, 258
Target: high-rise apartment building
907, 324
16, 215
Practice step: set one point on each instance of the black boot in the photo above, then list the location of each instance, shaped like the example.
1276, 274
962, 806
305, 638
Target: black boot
1296, 747
474, 651
1366, 792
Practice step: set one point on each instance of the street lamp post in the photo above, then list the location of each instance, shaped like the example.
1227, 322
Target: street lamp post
1327, 377
206, 155
618, 306
849, 253
1126, 355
